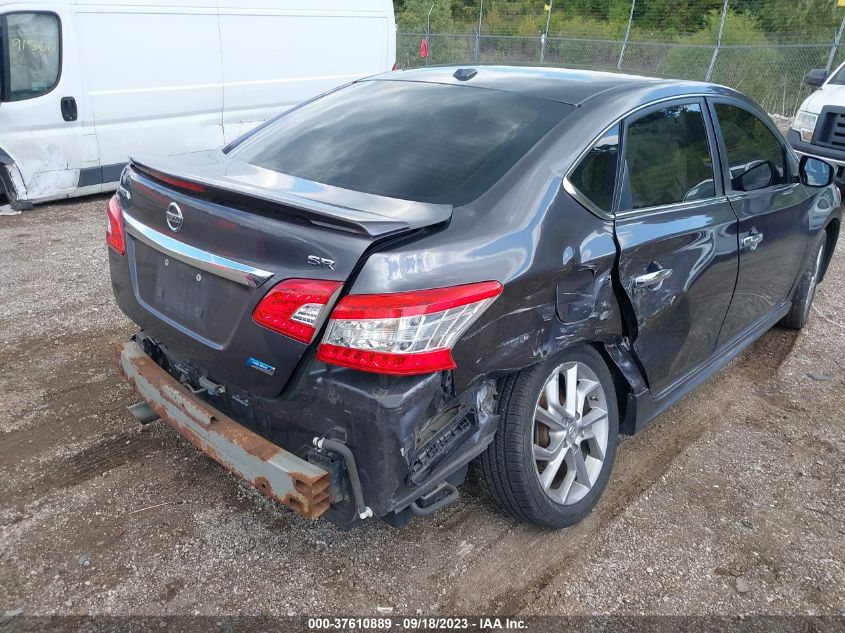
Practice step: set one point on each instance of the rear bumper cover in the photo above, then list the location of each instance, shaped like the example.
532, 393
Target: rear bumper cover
296, 483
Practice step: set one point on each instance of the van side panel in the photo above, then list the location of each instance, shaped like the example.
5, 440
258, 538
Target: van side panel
278, 54
154, 79
46, 152
391, 34
170, 76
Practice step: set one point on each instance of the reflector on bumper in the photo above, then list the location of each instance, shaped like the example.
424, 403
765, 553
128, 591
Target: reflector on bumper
298, 484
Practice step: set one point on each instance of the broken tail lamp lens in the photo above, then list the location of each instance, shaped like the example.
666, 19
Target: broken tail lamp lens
294, 307
405, 333
115, 236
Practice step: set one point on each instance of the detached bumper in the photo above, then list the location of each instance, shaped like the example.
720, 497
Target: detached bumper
298, 484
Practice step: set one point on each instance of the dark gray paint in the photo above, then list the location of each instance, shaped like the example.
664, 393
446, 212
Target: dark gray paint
566, 275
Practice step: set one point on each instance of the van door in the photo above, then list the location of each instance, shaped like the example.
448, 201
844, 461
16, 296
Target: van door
153, 72
279, 53
677, 238
43, 106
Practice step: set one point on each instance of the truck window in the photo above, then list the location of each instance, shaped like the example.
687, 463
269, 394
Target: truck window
31, 54
839, 77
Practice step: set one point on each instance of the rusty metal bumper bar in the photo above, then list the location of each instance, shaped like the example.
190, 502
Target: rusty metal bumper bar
298, 484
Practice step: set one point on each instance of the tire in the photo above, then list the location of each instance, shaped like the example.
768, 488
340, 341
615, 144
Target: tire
525, 447
799, 314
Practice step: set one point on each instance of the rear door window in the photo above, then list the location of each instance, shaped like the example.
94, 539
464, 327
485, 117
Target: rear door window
410, 140
667, 158
31, 54
595, 176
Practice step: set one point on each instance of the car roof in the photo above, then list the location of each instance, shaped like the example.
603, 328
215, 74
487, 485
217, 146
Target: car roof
566, 85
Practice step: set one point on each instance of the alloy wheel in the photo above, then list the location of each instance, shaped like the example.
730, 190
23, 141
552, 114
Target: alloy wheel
570, 433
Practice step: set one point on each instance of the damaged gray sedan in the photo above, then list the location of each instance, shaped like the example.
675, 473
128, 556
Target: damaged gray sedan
350, 304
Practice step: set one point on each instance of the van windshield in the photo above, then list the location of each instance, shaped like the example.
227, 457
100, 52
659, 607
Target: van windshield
410, 140
839, 76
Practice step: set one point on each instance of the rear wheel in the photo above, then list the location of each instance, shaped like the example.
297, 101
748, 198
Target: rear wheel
556, 442
806, 291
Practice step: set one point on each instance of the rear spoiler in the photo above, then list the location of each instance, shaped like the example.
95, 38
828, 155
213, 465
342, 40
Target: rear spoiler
212, 179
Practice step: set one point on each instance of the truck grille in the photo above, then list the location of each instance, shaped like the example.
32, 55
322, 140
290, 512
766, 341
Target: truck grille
831, 133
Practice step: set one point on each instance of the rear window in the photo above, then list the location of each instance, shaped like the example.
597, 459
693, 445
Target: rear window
414, 141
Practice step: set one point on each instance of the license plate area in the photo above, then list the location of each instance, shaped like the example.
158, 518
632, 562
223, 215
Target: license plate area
201, 302
182, 291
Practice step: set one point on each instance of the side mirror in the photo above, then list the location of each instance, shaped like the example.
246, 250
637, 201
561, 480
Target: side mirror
815, 172
758, 175
815, 77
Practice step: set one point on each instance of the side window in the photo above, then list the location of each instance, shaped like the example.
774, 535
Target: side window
595, 175
667, 158
31, 54
755, 156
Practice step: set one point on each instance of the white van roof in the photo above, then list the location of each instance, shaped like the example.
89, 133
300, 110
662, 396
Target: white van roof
277, 5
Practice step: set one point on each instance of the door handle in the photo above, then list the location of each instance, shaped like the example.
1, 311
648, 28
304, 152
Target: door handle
69, 110
751, 242
653, 278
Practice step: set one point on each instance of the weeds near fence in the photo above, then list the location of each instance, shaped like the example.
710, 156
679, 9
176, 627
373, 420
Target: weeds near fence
760, 52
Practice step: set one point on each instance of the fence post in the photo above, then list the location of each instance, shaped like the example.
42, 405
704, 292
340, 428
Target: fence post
546, 33
718, 42
836, 39
427, 31
627, 35
478, 32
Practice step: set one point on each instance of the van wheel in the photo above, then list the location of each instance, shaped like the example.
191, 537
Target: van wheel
799, 314
556, 442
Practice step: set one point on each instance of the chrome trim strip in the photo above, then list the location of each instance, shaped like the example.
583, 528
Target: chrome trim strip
674, 206
584, 201
580, 197
592, 208
209, 262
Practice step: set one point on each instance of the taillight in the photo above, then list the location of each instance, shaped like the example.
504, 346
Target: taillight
404, 333
294, 307
114, 230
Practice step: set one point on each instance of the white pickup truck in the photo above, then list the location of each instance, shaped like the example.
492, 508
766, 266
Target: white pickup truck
819, 126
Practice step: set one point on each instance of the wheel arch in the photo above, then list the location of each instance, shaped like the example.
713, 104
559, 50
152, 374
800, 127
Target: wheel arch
628, 383
832, 236
11, 181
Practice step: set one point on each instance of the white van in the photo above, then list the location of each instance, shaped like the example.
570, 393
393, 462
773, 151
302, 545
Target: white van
86, 83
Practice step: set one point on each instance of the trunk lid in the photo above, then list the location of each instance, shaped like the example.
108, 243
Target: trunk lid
207, 238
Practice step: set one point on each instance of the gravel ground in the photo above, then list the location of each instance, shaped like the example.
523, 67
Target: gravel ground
729, 503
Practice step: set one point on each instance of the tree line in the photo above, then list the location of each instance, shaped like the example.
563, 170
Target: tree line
663, 20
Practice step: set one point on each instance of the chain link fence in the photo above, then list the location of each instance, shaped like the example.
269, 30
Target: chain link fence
771, 74
763, 50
